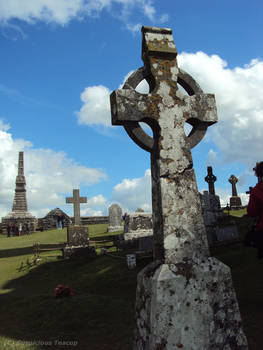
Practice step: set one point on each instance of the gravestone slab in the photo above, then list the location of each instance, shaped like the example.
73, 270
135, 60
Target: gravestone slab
184, 299
115, 218
227, 233
77, 236
138, 224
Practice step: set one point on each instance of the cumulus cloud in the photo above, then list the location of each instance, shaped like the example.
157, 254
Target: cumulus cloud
134, 193
50, 175
96, 103
95, 206
239, 98
96, 106
62, 12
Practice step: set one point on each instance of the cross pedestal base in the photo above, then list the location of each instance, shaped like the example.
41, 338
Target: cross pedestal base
190, 305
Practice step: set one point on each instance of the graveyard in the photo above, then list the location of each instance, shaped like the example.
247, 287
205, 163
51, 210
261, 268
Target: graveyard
100, 315
179, 277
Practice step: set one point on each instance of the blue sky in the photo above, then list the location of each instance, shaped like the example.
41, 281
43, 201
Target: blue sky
61, 59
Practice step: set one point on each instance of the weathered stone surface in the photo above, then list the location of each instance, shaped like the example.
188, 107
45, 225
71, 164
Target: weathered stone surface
115, 218
138, 224
76, 200
235, 201
211, 210
20, 214
184, 302
189, 305
77, 236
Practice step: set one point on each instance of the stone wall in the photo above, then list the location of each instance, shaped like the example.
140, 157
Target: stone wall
91, 220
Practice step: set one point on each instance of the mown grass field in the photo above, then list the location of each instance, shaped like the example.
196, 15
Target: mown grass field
100, 315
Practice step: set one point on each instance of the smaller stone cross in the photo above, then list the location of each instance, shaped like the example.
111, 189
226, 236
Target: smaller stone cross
210, 179
76, 200
233, 180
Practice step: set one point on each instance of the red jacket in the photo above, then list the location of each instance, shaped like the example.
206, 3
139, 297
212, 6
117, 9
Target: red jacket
255, 204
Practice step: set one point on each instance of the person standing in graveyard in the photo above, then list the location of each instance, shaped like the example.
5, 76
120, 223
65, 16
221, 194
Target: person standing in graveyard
8, 230
255, 208
15, 230
19, 229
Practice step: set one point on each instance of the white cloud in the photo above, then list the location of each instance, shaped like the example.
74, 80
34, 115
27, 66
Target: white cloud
96, 107
96, 201
164, 18
96, 103
95, 206
62, 12
239, 97
134, 193
49, 175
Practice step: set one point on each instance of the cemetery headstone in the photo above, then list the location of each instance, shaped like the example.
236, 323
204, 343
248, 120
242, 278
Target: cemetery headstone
115, 218
137, 225
77, 236
235, 201
227, 233
76, 200
184, 299
211, 207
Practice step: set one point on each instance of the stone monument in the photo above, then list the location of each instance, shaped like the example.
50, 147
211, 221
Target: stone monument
20, 212
115, 218
76, 200
185, 299
211, 207
210, 179
137, 225
235, 200
77, 235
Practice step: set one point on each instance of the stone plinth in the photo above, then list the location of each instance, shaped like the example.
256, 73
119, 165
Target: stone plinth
16, 217
138, 225
196, 299
77, 236
211, 211
235, 203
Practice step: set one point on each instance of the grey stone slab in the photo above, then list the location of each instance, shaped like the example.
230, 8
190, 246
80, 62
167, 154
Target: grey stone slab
77, 236
115, 218
227, 233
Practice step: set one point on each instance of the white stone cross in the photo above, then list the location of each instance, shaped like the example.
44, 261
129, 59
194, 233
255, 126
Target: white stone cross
76, 200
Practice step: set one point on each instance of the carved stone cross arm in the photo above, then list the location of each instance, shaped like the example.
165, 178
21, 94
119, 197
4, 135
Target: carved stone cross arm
177, 218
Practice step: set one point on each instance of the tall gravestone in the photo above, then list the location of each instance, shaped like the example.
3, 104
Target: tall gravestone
211, 207
20, 212
184, 299
115, 217
235, 200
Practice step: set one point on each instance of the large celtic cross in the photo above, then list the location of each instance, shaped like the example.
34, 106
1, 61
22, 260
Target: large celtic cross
178, 227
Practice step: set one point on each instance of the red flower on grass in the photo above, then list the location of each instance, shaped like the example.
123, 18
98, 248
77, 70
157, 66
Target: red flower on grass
63, 291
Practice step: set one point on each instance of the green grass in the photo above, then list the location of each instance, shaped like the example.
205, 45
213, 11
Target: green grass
101, 313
